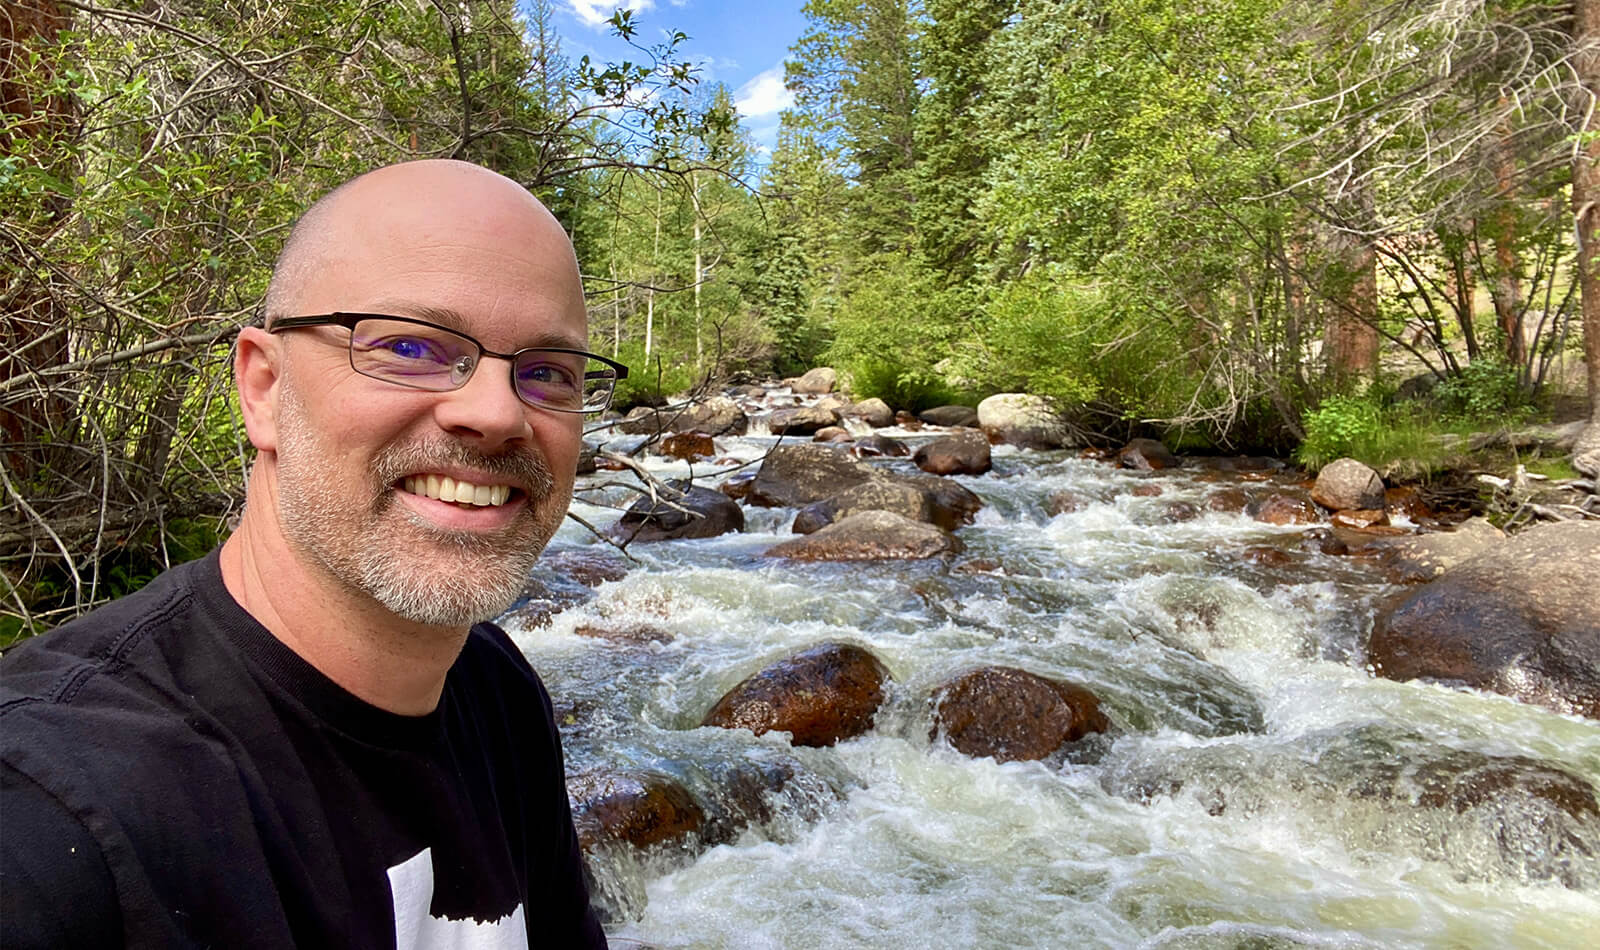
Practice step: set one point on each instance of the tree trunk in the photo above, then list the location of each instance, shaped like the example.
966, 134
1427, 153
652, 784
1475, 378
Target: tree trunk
1507, 285
33, 323
1585, 195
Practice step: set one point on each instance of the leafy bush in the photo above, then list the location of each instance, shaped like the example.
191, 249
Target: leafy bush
893, 329
651, 382
1485, 390
1366, 428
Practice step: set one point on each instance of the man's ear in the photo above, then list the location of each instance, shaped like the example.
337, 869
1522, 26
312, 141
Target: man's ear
257, 366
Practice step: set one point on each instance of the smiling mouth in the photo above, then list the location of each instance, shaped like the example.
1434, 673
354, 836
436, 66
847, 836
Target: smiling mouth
445, 488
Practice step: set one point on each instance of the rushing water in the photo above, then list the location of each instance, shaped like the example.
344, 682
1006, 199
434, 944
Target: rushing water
1260, 788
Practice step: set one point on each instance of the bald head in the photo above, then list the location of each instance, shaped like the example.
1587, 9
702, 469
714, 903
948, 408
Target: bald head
367, 218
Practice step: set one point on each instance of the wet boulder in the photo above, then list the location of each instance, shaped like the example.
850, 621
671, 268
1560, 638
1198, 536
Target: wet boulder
880, 494
835, 401
1024, 420
819, 696
1417, 559
880, 445
954, 504
816, 382
1012, 715
1347, 483
638, 808
964, 454
870, 536
1146, 455
906, 420
801, 420
1361, 518
874, 412
737, 485
1066, 502
589, 566
1518, 619
1229, 500
793, 476
1282, 508
950, 416
688, 446
679, 512
717, 415
833, 434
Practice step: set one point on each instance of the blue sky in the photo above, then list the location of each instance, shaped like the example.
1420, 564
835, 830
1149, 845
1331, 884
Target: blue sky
741, 45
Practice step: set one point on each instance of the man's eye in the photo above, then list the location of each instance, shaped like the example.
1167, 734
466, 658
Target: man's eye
547, 374
411, 348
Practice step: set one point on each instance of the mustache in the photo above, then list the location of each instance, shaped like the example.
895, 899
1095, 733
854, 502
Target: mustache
523, 469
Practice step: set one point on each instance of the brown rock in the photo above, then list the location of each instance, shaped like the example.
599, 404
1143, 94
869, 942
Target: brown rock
717, 415
643, 420
688, 446
1518, 619
1406, 500
1230, 500
801, 420
816, 381
1280, 508
1146, 490
963, 454
1146, 455
1012, 714
906, 420
874, 412
880, 445
681, 511
633, 807
819, 696
833, 434
880, 494
1178, 511
952, 416
1347, 483
1417, 559
1066, 502
954, 504
793, 476
1267, 556
1360, 518
870, 536
737, 485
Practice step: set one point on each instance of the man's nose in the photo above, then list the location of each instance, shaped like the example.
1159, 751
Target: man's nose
486, 409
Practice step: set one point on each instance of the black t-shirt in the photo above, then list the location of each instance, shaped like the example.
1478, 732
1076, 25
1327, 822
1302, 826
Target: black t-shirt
172, 775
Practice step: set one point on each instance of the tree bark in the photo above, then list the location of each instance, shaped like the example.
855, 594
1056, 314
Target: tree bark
1586, 211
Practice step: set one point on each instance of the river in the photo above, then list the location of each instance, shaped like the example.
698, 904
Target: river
1260, 788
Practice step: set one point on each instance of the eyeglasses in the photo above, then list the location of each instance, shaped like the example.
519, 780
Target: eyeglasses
422, 355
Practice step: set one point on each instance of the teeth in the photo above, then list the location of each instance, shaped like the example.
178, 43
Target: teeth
446, 488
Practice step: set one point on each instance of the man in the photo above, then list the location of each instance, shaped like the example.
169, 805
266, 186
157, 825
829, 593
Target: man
302, 739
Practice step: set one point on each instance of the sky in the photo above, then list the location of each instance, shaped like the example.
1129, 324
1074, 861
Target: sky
741, 45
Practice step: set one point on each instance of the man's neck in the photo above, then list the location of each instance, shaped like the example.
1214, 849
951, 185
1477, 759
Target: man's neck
392, 663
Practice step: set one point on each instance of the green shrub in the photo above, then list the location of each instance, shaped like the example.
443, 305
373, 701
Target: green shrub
893, 330
1486, 390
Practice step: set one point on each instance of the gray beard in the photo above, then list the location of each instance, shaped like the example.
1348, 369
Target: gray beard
473, 577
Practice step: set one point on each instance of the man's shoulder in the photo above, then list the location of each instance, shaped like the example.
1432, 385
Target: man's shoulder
55, 667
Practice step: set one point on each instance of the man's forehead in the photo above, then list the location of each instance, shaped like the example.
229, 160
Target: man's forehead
529, 330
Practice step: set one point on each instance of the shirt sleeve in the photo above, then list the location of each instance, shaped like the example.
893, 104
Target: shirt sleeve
55, 887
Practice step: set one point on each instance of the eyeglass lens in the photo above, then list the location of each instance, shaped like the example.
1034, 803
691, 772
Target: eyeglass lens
433, 358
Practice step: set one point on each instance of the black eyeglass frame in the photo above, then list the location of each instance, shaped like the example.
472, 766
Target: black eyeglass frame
349, 319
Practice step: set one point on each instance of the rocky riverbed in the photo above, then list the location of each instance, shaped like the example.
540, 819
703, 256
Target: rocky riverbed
951, 683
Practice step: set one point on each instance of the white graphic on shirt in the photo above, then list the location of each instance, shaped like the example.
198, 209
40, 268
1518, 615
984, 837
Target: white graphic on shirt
415, 928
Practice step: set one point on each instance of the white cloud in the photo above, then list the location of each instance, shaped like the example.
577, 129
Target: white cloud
596, 13
764, 95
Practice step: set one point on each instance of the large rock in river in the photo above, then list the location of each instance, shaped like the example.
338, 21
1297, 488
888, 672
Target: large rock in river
680, 511
870, 536
717, 415
1346, 483
801, 420
966, 453
793, 476
1419, 558
634, 807
819, 696
1024, 420
817, 382
874, 412
1012, 714
949, 416
1519, 619
881, 494
1146, 455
